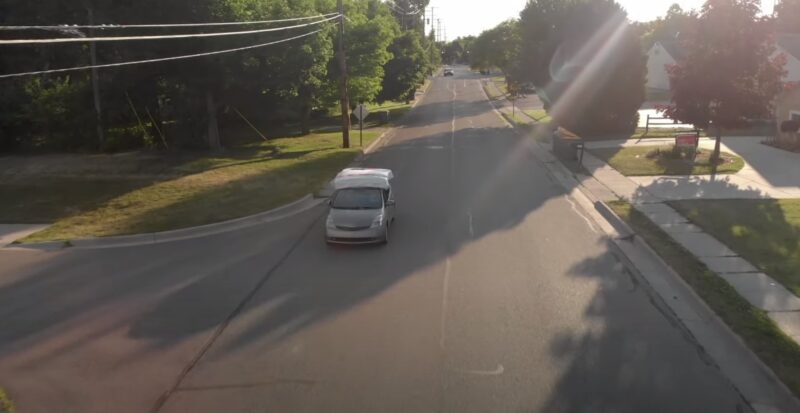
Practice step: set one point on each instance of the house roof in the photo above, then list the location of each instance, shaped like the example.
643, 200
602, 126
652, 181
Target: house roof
790, 43
674, 48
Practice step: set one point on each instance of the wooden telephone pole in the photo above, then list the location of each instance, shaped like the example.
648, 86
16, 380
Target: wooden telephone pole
343, 80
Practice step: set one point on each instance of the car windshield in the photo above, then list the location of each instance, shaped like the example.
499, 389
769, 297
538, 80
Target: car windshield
358, 198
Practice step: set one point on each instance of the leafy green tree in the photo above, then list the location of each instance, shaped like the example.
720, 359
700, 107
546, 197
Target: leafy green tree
497, 47
727, 76
669, 27
369, 31
406, 71
587, 63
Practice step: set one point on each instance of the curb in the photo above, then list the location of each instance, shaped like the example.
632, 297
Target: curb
301, 205
616, 220
782, 397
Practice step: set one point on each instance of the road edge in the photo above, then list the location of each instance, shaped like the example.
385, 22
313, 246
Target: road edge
303, 204
619, 232
282, 212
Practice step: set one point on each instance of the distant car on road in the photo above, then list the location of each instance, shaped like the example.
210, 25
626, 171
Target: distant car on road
448, 71
362, 207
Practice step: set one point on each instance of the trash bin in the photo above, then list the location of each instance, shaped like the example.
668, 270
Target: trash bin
384, 117
566, 148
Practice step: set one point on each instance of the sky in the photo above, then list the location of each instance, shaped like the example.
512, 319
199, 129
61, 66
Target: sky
470, 17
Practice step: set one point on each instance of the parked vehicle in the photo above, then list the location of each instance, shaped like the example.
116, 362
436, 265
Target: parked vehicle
362, 207
448, 71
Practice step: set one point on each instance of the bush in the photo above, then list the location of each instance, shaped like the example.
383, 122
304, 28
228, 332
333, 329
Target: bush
58, 115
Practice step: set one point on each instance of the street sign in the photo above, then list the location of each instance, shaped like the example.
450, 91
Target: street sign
687, 140
361, 112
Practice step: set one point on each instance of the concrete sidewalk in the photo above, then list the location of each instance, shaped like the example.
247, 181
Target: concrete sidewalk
529, 102
649, 197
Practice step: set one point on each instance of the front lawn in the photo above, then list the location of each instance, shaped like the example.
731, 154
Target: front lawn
539, 114
187, 190
766, 232
662, 160
777, 350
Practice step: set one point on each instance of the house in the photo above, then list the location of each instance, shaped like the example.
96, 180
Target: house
789, 46
787, 105
663, 54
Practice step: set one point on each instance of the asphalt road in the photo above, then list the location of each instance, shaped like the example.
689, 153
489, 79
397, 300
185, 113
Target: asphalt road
496, 294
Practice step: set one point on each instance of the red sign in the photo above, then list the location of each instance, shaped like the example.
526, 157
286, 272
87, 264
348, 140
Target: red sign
687, 140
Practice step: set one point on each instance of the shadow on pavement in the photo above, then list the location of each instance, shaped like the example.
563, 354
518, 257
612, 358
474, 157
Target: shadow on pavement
631, 360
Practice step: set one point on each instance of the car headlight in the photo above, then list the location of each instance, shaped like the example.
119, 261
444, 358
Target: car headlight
329, 222
378, 221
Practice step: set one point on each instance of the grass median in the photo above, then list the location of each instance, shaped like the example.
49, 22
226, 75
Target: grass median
753, 325
189, 190
765, 232
663, 160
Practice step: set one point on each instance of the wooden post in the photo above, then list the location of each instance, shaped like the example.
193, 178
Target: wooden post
343, 80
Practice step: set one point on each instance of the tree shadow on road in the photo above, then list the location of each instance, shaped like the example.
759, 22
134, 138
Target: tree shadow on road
637, 356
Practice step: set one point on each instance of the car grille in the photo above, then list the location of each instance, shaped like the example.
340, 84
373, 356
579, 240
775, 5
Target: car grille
352, 228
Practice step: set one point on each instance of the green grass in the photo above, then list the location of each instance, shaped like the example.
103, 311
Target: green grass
763, 231
396, 111
198, 190
762, 335
500, 83
657, 160
539, 114
492, 92
6, 405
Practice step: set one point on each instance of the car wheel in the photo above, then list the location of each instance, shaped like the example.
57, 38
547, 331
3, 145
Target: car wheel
386, 235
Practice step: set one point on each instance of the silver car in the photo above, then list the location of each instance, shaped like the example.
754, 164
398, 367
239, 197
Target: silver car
362, 207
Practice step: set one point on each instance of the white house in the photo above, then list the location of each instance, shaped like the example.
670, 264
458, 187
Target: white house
787, 106
663, 54
668, 52
789, 46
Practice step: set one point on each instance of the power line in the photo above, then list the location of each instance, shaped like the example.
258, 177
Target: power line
161, 37
156, 26
163, 59
399, 9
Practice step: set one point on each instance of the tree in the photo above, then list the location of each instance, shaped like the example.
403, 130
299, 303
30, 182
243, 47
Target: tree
370, 30
669, 27
727, 76
406, 71
787, 14
586, 62
497, 47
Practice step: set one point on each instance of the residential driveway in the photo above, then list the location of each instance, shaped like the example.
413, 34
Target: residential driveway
768, 172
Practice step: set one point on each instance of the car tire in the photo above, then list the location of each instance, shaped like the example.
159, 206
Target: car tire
386, 235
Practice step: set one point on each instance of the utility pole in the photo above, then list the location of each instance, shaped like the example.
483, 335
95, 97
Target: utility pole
96, 83
343, 80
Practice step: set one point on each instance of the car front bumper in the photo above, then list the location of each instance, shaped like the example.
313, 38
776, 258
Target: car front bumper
364, 236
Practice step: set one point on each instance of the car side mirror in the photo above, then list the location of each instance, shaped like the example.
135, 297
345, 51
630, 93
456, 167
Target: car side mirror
390, 202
